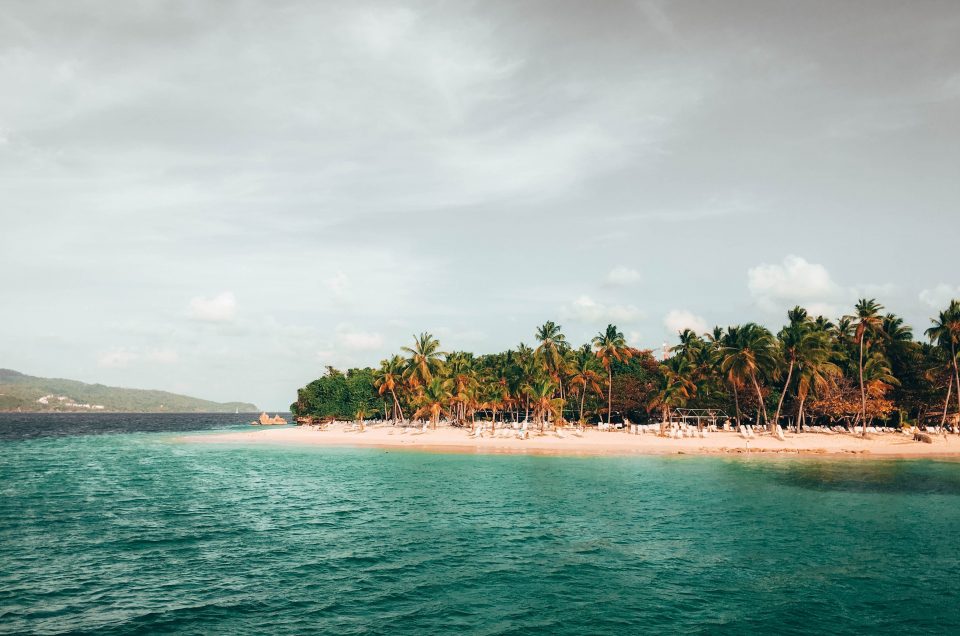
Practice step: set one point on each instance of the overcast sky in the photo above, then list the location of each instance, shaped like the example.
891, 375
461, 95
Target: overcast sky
220, 198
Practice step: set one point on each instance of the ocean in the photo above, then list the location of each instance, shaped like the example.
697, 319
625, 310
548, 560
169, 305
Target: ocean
110, 525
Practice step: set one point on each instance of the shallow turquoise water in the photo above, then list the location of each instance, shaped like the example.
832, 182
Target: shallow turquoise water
136, 533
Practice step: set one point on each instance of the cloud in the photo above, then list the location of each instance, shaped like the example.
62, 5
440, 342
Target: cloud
585, 309
339, 283
359, 340
677, 320
622, 276
940, 296
794, 281
219, 308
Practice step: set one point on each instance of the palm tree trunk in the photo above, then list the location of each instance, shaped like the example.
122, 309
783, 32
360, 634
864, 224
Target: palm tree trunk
397, 403
943, 420
583, 396
800, 416
736, 402
776, 418
609, 392
761, 409
863, 392
956, 376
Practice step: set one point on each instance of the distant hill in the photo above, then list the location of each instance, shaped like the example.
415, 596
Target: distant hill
28, 393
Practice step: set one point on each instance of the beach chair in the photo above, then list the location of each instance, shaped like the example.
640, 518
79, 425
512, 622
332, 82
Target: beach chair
779, 433
743, 432
560, 434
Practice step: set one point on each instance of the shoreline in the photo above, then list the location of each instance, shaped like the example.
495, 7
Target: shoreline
447, 439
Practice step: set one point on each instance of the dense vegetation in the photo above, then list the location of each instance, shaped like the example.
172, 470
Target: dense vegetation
22, 392
865, 367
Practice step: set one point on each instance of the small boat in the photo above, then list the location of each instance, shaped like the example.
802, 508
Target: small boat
266, 420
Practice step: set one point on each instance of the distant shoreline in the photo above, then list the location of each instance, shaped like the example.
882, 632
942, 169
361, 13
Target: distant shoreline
596, 443
106, 412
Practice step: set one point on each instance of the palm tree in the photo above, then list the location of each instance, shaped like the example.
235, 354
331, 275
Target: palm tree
945, 333
815, 371
550, 353
387, 378
690, 345
751, 354
583, 374
544, 404
610, 345
425, 359
675, 388
460, 367
791, 340
432, 399
868, 321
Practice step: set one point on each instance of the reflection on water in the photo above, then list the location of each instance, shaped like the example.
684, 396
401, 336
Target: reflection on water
924, 477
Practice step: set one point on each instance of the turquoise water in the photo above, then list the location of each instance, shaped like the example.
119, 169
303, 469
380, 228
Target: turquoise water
137, 533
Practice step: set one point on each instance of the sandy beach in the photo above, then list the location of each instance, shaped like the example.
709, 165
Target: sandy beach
593, 442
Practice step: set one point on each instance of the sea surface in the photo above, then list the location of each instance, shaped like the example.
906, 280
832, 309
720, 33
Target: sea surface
110, 525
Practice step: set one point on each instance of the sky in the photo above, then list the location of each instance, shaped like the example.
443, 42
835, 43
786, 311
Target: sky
222, 198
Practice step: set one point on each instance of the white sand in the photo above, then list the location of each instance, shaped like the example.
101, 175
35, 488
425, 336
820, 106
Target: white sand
592, 442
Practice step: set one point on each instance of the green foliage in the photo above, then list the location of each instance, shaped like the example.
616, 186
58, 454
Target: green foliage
338, 395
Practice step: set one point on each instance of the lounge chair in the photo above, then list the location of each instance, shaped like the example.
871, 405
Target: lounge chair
779, 433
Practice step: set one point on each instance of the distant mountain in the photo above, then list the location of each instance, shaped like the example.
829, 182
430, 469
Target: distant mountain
27, 393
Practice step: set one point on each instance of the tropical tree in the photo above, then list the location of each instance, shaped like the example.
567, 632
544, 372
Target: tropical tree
584, 375
816, 372
432, 398
550, 352
674, 390
544, 403
387, 378
425, 360
610, 345
945, 333
868, 322
751, 354
791, 340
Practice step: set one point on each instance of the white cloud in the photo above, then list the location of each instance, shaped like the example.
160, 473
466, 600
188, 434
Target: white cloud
339, 283
219, 308
795, 281
677, 320
586, 309
622, 276
359, 340
634, 338
940, 296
